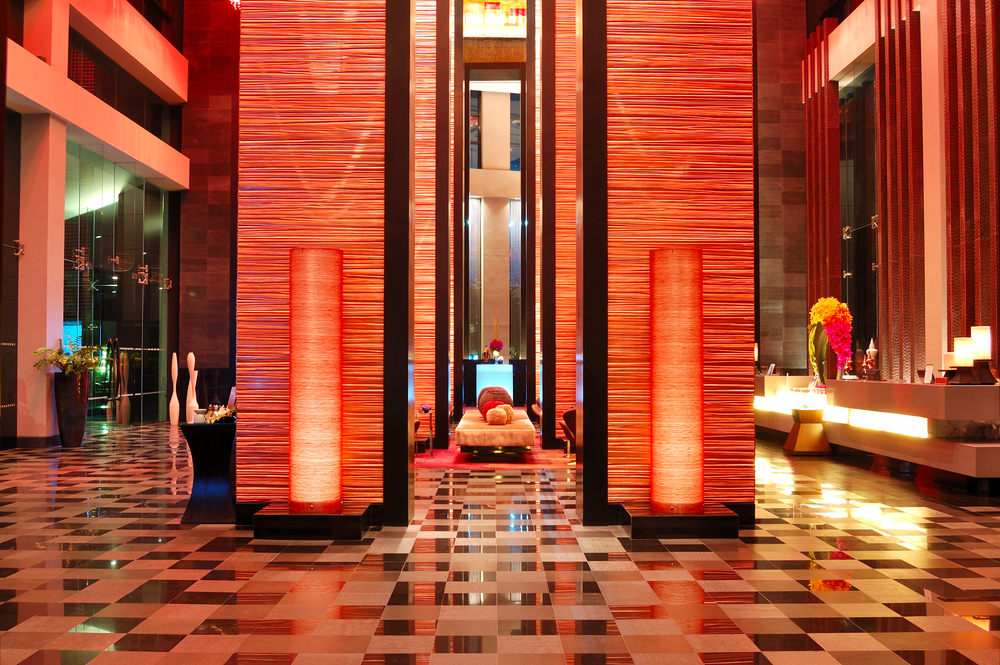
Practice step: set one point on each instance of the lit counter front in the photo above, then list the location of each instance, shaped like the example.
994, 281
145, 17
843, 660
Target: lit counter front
933, 424
495, 375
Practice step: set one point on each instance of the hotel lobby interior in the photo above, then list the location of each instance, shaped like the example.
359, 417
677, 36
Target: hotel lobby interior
637, 332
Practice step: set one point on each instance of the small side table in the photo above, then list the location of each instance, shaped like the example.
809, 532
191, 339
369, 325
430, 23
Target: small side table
213, 456
807, 436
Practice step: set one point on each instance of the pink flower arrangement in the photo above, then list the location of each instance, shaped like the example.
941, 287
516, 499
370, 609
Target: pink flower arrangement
836, 319
496, 345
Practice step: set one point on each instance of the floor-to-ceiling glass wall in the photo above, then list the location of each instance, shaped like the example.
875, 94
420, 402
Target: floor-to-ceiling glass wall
114, 288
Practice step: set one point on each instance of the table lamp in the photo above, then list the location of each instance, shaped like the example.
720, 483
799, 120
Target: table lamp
947, 366
963, 363
982, 353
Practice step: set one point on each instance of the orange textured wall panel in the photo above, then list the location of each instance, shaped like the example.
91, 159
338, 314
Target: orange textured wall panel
972, 166
823, 233
565, 360
680, 172
312, 140
677, 474
315, 410
900, 184
424, 188
538, 201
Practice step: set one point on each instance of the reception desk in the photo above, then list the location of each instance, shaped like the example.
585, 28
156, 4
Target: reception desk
936, 425
495, 375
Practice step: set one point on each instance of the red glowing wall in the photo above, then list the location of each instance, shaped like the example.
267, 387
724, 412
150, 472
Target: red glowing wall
312, 119
680, 172
899, 132
822, 169
424, 183
565, 297
972, 165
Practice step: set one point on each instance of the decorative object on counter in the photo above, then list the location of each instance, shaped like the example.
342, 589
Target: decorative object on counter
219, 414
175, 404
829, 323
191, 403
496, 346
871, 363
71, 385
929, 374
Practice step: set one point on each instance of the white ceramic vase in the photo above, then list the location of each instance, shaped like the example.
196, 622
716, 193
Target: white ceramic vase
175, 404
192, 395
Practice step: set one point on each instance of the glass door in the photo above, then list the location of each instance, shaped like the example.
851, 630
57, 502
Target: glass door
115, 250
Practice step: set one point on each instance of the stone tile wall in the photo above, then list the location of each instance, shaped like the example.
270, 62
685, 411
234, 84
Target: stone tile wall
208, 210
780, 34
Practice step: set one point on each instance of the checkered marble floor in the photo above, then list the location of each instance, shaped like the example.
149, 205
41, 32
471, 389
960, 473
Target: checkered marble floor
843, 566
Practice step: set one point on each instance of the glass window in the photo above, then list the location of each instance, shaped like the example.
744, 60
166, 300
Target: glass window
515, 132
858, 204
114, 284
101, 76
474, 155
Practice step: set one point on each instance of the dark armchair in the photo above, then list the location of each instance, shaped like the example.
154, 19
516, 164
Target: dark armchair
568, 426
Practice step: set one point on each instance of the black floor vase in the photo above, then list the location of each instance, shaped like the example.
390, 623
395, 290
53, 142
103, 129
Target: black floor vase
72, 394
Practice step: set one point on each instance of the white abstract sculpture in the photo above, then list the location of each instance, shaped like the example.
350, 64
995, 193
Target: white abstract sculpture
192, 395
175, 404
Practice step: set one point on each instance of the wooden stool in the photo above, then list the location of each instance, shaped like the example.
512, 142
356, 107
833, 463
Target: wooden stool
807, 436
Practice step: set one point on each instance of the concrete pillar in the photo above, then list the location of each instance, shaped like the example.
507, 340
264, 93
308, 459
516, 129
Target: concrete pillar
40, 271
935, 216
494, 127
495, 241
46, 31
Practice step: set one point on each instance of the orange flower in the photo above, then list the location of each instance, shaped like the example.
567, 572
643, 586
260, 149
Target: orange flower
829, 309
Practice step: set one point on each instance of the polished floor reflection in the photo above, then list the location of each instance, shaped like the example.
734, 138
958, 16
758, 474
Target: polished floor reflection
845, 565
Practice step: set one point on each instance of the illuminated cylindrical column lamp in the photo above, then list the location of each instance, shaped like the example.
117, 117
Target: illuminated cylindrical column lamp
314, 379
676, 403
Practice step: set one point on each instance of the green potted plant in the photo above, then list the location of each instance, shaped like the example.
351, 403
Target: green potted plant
72, 386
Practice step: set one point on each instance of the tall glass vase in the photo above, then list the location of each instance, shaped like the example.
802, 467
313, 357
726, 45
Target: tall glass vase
818, 345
